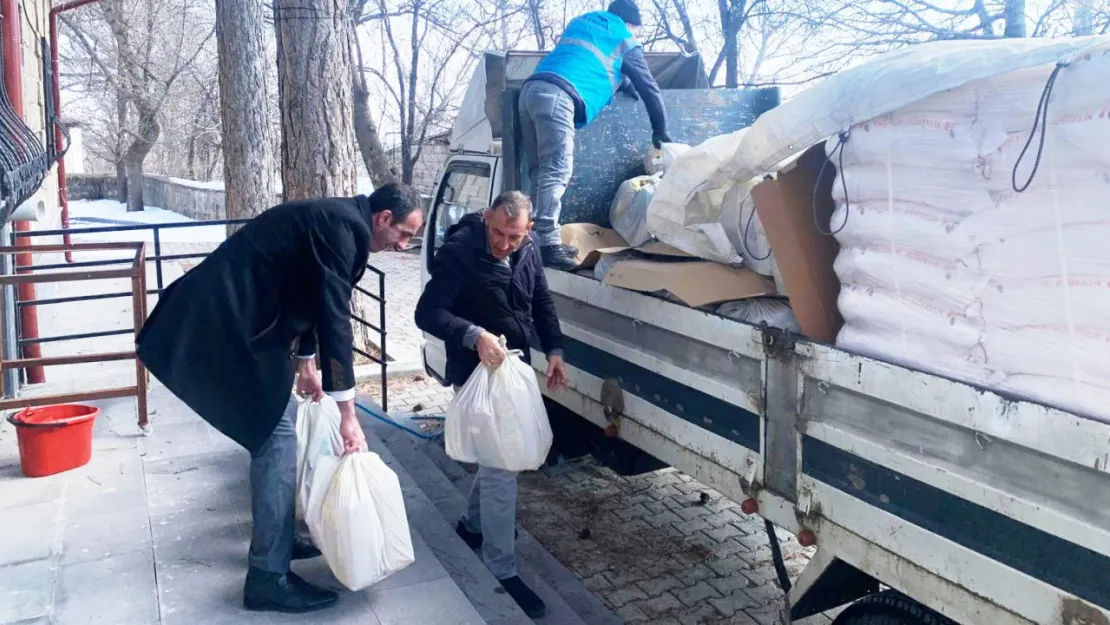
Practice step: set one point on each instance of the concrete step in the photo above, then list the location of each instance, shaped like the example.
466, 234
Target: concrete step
463, 566
446, 483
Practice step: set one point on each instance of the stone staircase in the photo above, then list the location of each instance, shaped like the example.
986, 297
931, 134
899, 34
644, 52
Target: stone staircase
435, 488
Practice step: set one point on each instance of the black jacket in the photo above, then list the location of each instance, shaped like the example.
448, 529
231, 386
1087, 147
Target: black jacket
470, 287
224, 337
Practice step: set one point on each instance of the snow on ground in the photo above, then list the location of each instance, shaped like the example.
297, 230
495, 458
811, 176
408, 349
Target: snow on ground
108, 213
365, 185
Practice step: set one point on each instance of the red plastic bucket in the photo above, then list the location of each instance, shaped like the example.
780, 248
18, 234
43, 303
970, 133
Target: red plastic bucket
53, 439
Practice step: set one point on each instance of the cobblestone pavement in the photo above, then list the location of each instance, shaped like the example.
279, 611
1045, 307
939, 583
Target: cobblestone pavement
658, 548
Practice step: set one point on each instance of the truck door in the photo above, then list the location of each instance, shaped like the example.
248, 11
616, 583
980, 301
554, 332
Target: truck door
466, 186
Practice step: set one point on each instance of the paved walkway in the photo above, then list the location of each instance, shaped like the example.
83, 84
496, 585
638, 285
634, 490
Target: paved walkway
156, 529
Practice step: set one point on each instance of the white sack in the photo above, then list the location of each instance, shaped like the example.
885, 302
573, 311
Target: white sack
909, 273
919, 354
745, 231
1076, 353
628, 212
902, 226
319, 444
773, 311
362, 530
691, 221
886, 313
888, 83
498, 420
1077, 301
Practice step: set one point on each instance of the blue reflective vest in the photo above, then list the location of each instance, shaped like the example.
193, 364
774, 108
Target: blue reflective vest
589, 57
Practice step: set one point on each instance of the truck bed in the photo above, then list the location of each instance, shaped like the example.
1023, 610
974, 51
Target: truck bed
996, 502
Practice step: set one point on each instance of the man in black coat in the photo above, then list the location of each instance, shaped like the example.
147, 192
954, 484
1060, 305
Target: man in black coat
487, 282
229, 337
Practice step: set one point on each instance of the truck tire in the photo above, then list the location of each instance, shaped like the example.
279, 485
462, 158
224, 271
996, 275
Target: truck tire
890, 607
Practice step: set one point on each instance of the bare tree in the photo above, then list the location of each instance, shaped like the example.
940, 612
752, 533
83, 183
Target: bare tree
366, 130
140, 48
897, 22
248, 161
429, 50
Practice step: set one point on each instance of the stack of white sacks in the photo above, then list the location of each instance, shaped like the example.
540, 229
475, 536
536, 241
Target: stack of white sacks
946, 268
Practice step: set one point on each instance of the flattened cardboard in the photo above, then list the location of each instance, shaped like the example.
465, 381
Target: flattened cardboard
805, 256
592, 242
696, 283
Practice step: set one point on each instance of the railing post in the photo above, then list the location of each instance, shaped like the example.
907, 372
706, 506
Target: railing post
157, 258
384, 359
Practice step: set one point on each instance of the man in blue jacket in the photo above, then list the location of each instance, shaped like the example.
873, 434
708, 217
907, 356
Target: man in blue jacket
567, 91
488, 282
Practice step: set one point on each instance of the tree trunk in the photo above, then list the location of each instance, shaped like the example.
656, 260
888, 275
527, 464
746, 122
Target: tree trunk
148, 131
1014, 16
317, 120
121, 171
366, 131
249, 183
314, 82
730, 51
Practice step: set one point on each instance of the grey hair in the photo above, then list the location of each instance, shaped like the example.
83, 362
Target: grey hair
514, 203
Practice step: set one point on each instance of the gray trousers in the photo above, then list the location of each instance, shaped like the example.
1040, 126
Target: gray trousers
273, 496
547, 124
491, 512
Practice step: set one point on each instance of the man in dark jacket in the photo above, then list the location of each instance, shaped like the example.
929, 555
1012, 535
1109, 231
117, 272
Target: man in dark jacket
569, 88
227, 337
487, 282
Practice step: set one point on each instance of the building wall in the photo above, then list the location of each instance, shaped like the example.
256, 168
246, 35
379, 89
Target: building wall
428, 166
35, 23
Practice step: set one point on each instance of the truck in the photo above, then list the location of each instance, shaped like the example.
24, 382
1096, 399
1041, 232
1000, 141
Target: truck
929, 500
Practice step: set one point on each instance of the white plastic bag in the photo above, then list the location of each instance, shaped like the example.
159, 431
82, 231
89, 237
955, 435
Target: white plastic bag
498, 419
628, 212
362, 528
318, 441
658, 160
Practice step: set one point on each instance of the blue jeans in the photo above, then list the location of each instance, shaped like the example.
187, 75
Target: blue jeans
547, 124
273, 496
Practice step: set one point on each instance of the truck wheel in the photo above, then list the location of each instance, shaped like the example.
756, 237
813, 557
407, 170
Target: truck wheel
890, 607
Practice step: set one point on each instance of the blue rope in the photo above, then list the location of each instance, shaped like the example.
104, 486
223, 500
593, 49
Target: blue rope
386, 419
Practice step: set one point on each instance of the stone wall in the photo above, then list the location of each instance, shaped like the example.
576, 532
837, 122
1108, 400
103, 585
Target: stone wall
202, 201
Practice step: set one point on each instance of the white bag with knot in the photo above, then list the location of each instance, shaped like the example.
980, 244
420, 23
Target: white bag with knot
318, 439
498, 420
362, 528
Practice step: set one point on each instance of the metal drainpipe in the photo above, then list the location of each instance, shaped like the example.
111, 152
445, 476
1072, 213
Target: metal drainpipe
12, 36
59, 139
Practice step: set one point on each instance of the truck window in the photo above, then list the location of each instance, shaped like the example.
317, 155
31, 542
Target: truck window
465, 189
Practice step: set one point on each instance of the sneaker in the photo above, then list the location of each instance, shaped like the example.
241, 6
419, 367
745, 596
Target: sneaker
474, 539
560, 257
276, 592
527, 600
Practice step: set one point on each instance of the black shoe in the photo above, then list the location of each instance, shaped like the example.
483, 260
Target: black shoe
527, 600
472, 539
275, 592
561, 257
304, 550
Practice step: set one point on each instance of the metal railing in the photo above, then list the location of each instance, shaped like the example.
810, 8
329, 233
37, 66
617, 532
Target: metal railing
158, 258
136, 272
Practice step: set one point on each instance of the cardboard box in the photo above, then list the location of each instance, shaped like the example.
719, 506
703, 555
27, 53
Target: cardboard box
593, 242
696, 283
804, 255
